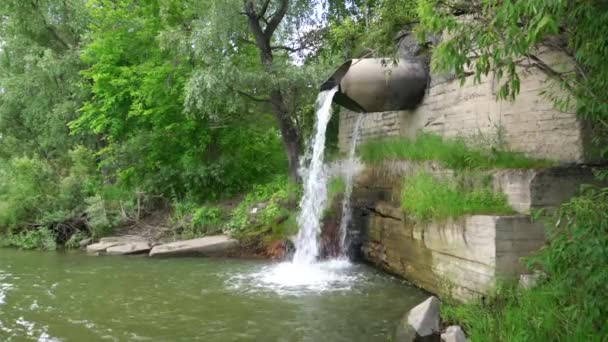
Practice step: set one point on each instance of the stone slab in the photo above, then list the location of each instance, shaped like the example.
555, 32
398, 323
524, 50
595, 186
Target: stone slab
210, 245
129, 248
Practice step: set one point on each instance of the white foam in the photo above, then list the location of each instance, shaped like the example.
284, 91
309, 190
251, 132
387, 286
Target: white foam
4, 287
289, 278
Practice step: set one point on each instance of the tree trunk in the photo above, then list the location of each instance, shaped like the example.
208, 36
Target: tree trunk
263, 36
289, 133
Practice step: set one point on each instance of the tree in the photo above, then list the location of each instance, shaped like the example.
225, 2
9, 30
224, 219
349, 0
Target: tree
40, 86
255, 56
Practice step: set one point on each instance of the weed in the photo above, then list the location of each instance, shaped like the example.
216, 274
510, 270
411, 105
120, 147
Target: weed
427, 198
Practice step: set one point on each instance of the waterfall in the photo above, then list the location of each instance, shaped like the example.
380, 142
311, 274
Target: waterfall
304, 273
350, 170
315, 186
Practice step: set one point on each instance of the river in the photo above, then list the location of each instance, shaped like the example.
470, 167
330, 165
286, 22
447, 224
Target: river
74, 297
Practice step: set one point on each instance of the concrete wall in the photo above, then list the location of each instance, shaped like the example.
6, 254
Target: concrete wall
530, 124
460, 258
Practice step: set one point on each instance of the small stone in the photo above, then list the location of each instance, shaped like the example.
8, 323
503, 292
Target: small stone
420, 322
528, 281
453, 333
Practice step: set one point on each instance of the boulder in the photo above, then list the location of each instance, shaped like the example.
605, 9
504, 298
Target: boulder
129, 248
421, 323
209, 245
453, 333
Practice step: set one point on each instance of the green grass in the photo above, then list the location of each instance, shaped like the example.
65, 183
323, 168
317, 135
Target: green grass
515, 314
426, 198
452, 153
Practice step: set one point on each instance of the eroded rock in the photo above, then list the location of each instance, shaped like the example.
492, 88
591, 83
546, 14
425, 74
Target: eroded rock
421, 323
453, 333
209, 245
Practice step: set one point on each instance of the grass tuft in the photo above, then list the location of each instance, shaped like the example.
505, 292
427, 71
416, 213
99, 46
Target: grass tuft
426, 198
452, 153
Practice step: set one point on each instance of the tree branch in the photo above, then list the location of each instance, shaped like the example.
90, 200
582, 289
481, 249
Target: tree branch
49, 28
262, 12
249, 96
276, 18
288, 48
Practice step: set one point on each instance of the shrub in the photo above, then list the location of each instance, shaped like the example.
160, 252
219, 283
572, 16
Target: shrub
453, 153
275, 216
74, 240
204, 220
41, 238
426, 198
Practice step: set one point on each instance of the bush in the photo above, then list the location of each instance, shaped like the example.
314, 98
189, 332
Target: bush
42, 238
205, 220
426, 198
452, 153
74, 240
275, 216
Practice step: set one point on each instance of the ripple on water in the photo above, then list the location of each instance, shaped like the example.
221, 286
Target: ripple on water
4, 287
289, 278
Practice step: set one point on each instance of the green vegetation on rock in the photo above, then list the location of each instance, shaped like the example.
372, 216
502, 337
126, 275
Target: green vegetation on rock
335, 188
452, 153
428, 198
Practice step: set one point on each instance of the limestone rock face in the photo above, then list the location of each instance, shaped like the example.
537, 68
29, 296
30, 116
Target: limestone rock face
129, 248
209, 245
421, 322
453, 334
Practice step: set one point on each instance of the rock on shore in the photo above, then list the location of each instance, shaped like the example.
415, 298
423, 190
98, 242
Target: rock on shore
209, 246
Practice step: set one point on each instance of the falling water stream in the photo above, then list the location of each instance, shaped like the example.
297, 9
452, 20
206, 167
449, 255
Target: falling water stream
315, 186
350, 170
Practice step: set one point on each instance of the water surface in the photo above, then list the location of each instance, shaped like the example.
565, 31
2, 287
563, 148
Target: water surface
73, 297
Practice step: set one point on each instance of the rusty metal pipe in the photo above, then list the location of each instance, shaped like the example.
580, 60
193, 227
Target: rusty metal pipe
379, 84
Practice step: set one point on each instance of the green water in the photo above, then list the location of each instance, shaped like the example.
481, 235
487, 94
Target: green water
73, 297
